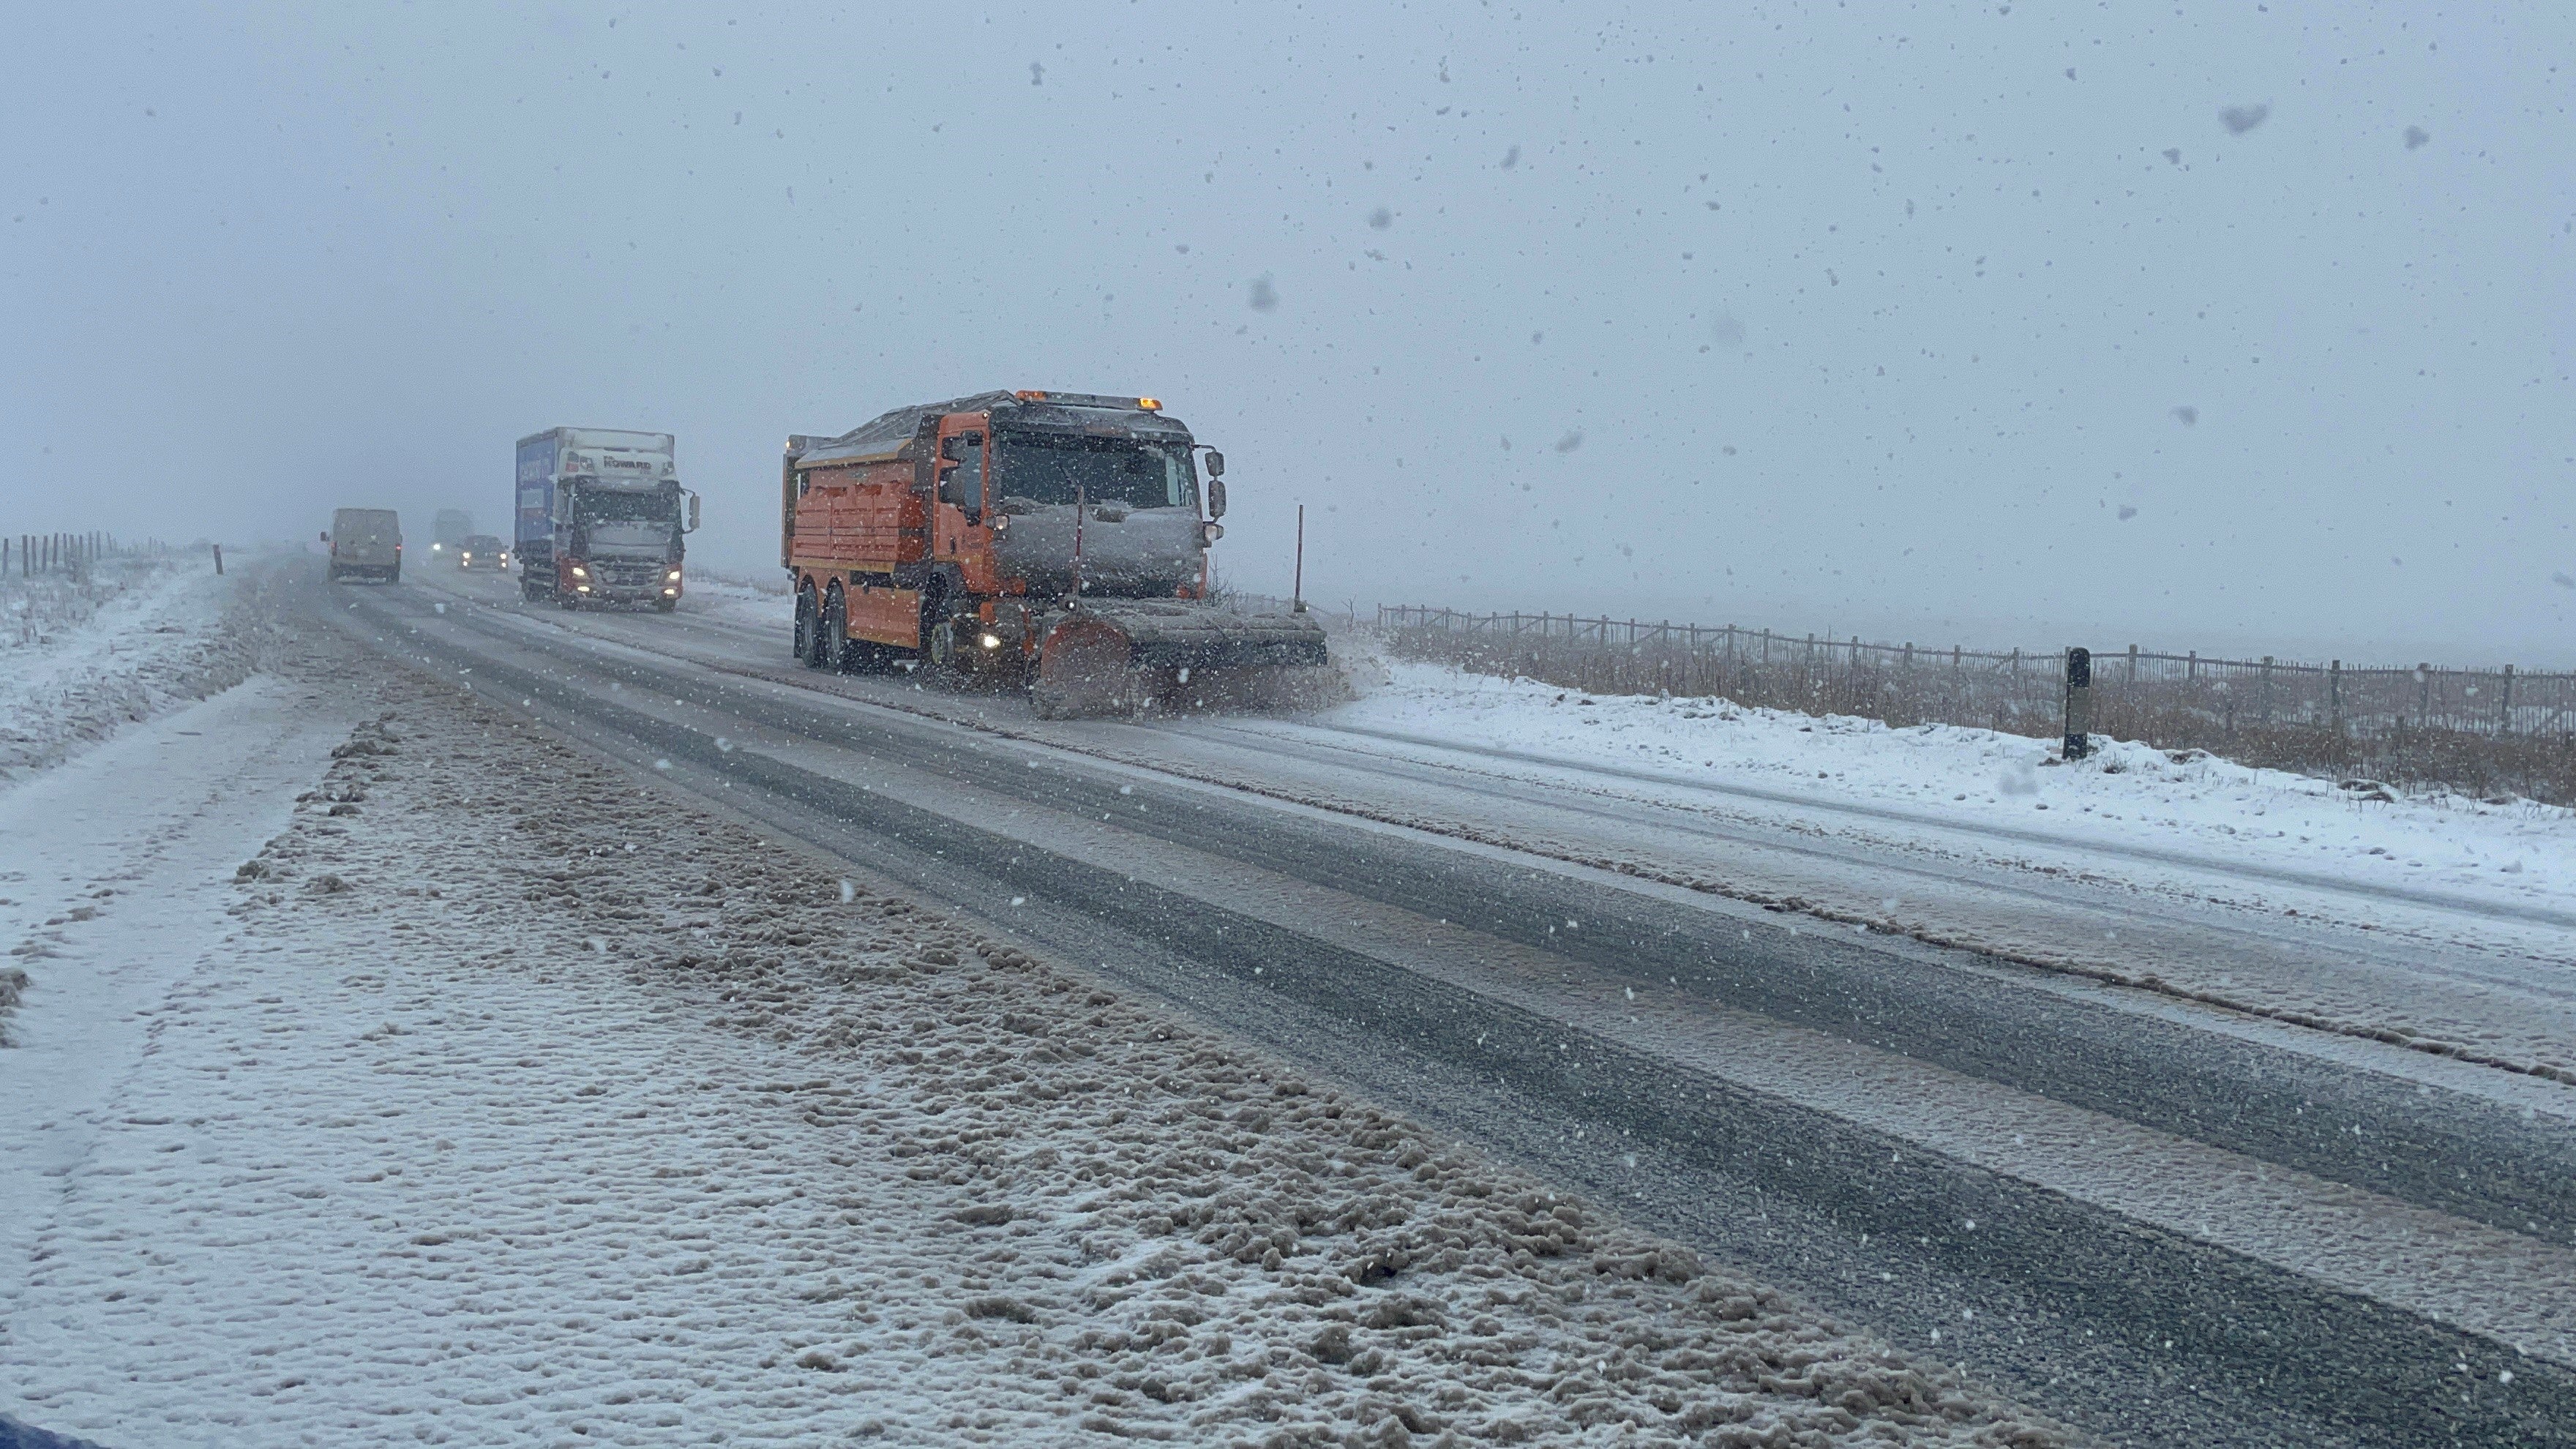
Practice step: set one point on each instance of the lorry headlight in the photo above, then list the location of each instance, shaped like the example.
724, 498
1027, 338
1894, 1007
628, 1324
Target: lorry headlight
1212, 531
990, 641
670, 593
579, 573
581, 588
675, 576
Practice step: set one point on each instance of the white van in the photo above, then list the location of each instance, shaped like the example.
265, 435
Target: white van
366, 543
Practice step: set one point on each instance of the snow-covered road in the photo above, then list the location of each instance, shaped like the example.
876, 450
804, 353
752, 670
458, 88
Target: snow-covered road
1400, 913
477, 1095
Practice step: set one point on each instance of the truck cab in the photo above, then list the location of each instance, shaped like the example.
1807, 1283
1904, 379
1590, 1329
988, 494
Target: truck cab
602, 518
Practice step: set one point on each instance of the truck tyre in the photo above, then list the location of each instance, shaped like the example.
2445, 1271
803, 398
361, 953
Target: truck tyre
833, 651
331, 574
396, 576
665, 606
806, 626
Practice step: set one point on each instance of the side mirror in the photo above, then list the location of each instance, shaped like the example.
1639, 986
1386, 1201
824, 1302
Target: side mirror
693, 513
326, 535
1216, 498
1215, 463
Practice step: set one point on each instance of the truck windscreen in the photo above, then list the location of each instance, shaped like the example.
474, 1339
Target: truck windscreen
603, 507
1046, 468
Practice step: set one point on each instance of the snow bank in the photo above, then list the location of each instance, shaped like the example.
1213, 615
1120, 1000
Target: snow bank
2126, 795
80, 660
529, 1104
762, 602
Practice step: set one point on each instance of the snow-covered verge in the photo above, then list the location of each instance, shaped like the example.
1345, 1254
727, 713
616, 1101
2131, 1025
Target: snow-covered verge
80, 660
2127, 794
527, 1104
763, 602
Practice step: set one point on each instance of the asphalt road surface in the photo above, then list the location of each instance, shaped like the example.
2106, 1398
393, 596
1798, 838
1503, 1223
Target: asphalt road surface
2161, 1220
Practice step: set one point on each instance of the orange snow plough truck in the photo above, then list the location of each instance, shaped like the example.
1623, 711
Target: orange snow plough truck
1047, 538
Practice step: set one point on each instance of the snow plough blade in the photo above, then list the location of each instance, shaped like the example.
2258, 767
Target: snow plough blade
1115, 657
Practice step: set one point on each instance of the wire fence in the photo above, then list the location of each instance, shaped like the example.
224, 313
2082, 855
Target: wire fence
2499, 731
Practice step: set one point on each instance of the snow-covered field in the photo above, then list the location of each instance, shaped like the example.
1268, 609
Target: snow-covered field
497, 1099
2127, 795
81, 660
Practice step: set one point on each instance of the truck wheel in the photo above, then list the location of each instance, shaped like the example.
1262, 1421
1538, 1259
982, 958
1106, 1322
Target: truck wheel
331, 576
396, 576
665, 606
833, 652
806, 627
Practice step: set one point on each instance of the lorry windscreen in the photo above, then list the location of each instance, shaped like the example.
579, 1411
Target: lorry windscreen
599, 506
1046, 468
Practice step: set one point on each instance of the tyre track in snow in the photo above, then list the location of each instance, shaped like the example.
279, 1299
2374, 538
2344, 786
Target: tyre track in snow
2130, 1328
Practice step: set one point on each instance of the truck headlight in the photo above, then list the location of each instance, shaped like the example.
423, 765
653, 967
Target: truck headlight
675, 576
990, 641
579, 572
1212, 531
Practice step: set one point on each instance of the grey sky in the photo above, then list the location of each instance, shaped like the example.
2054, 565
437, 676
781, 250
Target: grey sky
1814, 317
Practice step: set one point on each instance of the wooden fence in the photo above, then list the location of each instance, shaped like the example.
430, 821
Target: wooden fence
28, 555
2486, 731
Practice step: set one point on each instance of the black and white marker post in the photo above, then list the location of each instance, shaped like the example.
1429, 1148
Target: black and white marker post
2079, 703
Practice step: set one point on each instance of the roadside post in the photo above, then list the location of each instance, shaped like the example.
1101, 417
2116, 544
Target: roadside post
1297, 578
2079, 703
219, 559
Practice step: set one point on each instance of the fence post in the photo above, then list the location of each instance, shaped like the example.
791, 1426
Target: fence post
2079, 704
2504, 710
2423, 694
2267, 689
2133, 664
2334, 696
219, 560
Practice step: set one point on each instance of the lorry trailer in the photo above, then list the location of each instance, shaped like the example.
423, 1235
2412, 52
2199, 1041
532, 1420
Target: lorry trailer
1053, 539
601, 518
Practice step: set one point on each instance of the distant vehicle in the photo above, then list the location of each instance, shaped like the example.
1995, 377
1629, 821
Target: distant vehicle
601, 515
366, 543
449, 530
1054, 538
482, 551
